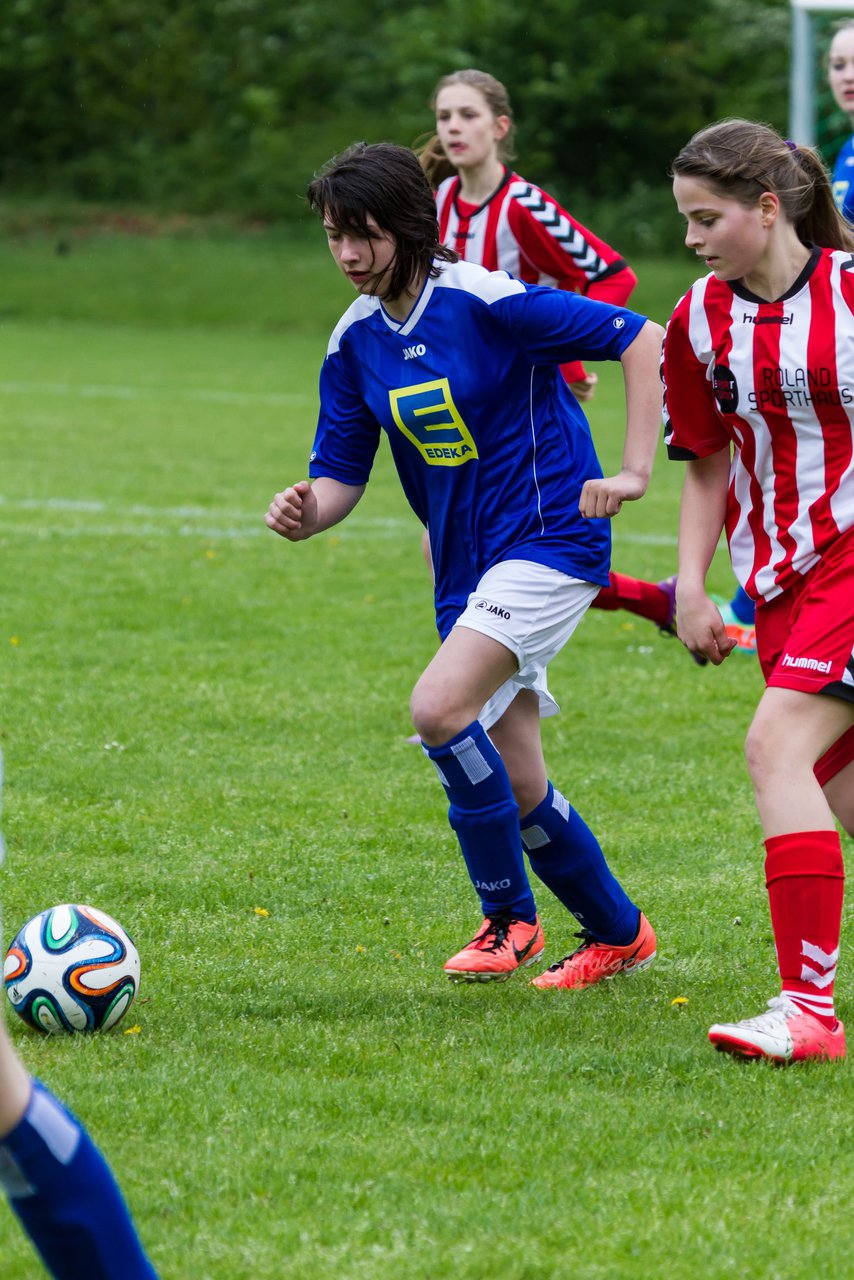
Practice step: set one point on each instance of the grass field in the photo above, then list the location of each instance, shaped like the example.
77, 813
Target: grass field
204, 731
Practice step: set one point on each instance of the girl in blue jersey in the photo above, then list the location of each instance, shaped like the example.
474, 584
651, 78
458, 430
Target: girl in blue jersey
840, 75
57, 1181
460, 368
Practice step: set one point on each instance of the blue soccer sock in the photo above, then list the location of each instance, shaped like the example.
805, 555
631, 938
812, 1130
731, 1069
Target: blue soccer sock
743, 607
566, 856
64, 1193
485, 817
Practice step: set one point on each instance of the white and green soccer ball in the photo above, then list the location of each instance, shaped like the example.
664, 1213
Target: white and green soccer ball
71, 968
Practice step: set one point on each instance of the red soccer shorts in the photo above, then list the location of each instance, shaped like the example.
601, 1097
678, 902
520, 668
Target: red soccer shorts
805, 639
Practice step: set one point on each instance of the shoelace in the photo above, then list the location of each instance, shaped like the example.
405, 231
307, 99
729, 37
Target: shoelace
587, 941
778, 1007
499, 927
780, 1004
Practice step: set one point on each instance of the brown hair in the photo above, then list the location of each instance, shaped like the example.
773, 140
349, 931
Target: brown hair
433, 160
385, 182
741, 159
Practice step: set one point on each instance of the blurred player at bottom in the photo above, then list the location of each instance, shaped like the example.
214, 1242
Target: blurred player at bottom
57, 1181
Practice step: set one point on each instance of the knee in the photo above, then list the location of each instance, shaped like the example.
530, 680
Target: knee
758, 753
435, 716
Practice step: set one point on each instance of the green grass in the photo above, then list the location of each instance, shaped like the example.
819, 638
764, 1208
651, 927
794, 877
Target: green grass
200, 720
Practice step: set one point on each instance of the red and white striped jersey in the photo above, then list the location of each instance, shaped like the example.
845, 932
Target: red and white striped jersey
773, 381
522, 230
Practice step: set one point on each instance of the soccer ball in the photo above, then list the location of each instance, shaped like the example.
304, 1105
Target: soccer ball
72, 968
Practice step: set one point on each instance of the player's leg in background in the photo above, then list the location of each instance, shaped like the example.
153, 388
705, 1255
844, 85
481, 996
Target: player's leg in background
743, 608
739, 616
839, 787
655, 601
650, 600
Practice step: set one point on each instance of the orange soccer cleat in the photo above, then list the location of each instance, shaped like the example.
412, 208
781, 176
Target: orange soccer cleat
595, 961
503, 945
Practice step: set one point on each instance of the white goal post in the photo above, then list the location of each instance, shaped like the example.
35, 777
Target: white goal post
803, 70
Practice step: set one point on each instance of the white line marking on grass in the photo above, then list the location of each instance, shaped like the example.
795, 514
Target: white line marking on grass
208, 395
68, 532
144, 521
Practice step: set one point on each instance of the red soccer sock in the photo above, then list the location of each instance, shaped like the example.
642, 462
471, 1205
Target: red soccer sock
805, 876
635, 596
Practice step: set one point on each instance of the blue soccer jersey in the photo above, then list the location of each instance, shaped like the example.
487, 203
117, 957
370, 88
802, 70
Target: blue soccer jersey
843, 180
491, 446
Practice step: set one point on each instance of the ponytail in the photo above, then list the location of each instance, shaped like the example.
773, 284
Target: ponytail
822, 223
741, 160
436, 165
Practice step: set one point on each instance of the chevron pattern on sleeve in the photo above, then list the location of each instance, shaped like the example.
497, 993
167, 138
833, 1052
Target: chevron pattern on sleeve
559, 228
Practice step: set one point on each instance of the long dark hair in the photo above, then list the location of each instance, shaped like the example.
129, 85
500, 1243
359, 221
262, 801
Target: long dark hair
741, 159
384, 182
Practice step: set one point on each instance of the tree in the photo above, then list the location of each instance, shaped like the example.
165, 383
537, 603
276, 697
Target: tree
232, 104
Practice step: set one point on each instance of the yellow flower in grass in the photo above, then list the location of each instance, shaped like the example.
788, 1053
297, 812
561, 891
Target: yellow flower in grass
133, 1031
680, 1000
262, 911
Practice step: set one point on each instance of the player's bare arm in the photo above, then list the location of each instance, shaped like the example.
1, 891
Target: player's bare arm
640, 361
701, 520
307, 508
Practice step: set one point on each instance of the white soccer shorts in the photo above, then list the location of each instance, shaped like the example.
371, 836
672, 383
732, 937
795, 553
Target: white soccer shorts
532, 610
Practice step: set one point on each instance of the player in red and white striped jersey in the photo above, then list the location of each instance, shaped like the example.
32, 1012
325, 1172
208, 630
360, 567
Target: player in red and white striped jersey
759, 401
490, 215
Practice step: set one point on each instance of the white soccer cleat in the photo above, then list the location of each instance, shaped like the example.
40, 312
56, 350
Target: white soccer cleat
786, 1033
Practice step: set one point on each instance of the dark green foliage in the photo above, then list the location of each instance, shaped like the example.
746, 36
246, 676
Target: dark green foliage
232, 104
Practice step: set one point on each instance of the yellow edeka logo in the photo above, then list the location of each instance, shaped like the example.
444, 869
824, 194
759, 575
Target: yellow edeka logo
427, 415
